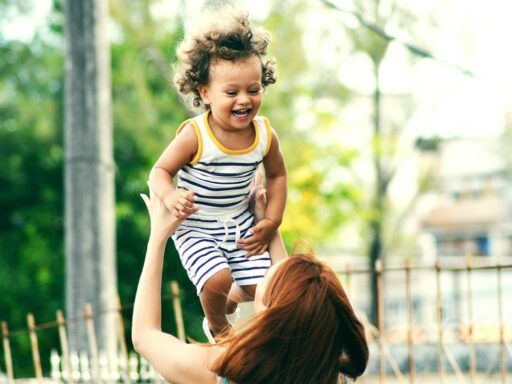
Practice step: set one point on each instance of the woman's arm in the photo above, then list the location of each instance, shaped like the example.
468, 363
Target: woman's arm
258, 203
276, 248
175, 360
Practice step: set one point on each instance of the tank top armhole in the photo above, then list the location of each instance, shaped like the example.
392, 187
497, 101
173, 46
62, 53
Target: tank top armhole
199, 152
269, 135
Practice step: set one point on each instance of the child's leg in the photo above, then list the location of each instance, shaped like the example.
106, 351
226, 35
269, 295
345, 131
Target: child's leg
213, 298
239, 294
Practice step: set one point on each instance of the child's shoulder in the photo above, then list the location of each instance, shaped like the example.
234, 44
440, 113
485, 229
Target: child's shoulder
188, 131
190, 124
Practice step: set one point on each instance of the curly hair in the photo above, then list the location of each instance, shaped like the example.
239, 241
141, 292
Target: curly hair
227, 36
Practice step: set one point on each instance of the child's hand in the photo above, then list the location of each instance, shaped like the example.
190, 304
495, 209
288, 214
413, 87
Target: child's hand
163, 222
258, 242
181, 203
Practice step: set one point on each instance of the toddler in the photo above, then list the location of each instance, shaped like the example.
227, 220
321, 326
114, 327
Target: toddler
215, 156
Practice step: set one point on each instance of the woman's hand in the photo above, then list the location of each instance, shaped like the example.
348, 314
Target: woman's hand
163, 222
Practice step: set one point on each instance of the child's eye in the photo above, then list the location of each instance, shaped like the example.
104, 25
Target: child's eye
231, 93
254, 91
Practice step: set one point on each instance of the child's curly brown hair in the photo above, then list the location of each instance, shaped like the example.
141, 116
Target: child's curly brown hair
228, 36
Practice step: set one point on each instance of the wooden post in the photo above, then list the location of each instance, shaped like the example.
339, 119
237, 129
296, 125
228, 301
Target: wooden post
35, 346
410, 319
380, 321
122, 339
440, 332
7, 353
93, 346
66, 365
89, 168
178, 313
348, 273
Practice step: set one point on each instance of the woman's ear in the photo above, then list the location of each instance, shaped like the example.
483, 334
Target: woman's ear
203, 92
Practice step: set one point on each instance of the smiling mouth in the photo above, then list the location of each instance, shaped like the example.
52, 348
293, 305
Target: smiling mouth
241, 112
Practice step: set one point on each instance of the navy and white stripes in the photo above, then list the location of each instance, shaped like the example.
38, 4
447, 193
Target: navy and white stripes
221, 181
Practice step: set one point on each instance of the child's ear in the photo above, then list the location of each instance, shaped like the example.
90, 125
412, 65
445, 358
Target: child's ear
203, 92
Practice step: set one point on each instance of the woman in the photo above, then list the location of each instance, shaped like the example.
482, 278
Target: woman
304, 332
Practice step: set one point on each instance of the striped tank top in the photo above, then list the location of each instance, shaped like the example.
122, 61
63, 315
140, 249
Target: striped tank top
221, 177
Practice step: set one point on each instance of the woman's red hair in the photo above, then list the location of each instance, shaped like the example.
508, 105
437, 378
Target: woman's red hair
308, 334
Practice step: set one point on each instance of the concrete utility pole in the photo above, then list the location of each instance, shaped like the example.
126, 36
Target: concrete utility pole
89, 172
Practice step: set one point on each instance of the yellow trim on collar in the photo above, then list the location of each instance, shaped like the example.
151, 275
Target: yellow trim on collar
199, 152
269, 135
227, 150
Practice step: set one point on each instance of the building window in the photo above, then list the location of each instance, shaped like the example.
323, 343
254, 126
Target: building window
482, 246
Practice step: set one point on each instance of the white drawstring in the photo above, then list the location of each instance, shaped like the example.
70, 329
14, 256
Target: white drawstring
225, 221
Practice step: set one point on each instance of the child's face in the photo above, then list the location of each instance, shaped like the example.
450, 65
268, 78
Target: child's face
234, 92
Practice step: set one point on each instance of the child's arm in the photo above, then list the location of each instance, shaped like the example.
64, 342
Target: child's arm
275, 172
179, 152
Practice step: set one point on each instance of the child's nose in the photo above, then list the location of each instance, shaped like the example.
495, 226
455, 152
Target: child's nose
244, 98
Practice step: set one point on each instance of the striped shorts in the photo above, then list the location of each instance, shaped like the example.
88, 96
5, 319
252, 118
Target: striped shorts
207, 245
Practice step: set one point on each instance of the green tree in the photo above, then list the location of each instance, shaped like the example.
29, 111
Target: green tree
31, 222
146, 114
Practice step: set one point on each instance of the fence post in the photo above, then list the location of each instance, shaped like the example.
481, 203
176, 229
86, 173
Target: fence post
7, 353
469, 298
178, 313
93, 346
35, 346
66, 365
410, 319
380, 321
503, 356
348, 273
440, 335
122, 338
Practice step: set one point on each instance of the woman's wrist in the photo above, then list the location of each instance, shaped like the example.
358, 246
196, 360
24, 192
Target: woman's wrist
158, 238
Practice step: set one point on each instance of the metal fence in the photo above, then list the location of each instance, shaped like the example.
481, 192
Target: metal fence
440, 348
437, 349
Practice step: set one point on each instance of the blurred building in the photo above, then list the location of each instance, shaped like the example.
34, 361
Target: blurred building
473, 210
469, 215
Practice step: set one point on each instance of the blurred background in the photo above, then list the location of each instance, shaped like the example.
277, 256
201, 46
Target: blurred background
395, 119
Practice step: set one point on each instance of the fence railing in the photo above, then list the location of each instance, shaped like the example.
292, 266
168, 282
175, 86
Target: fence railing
496, 334
127, 367
94, 365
